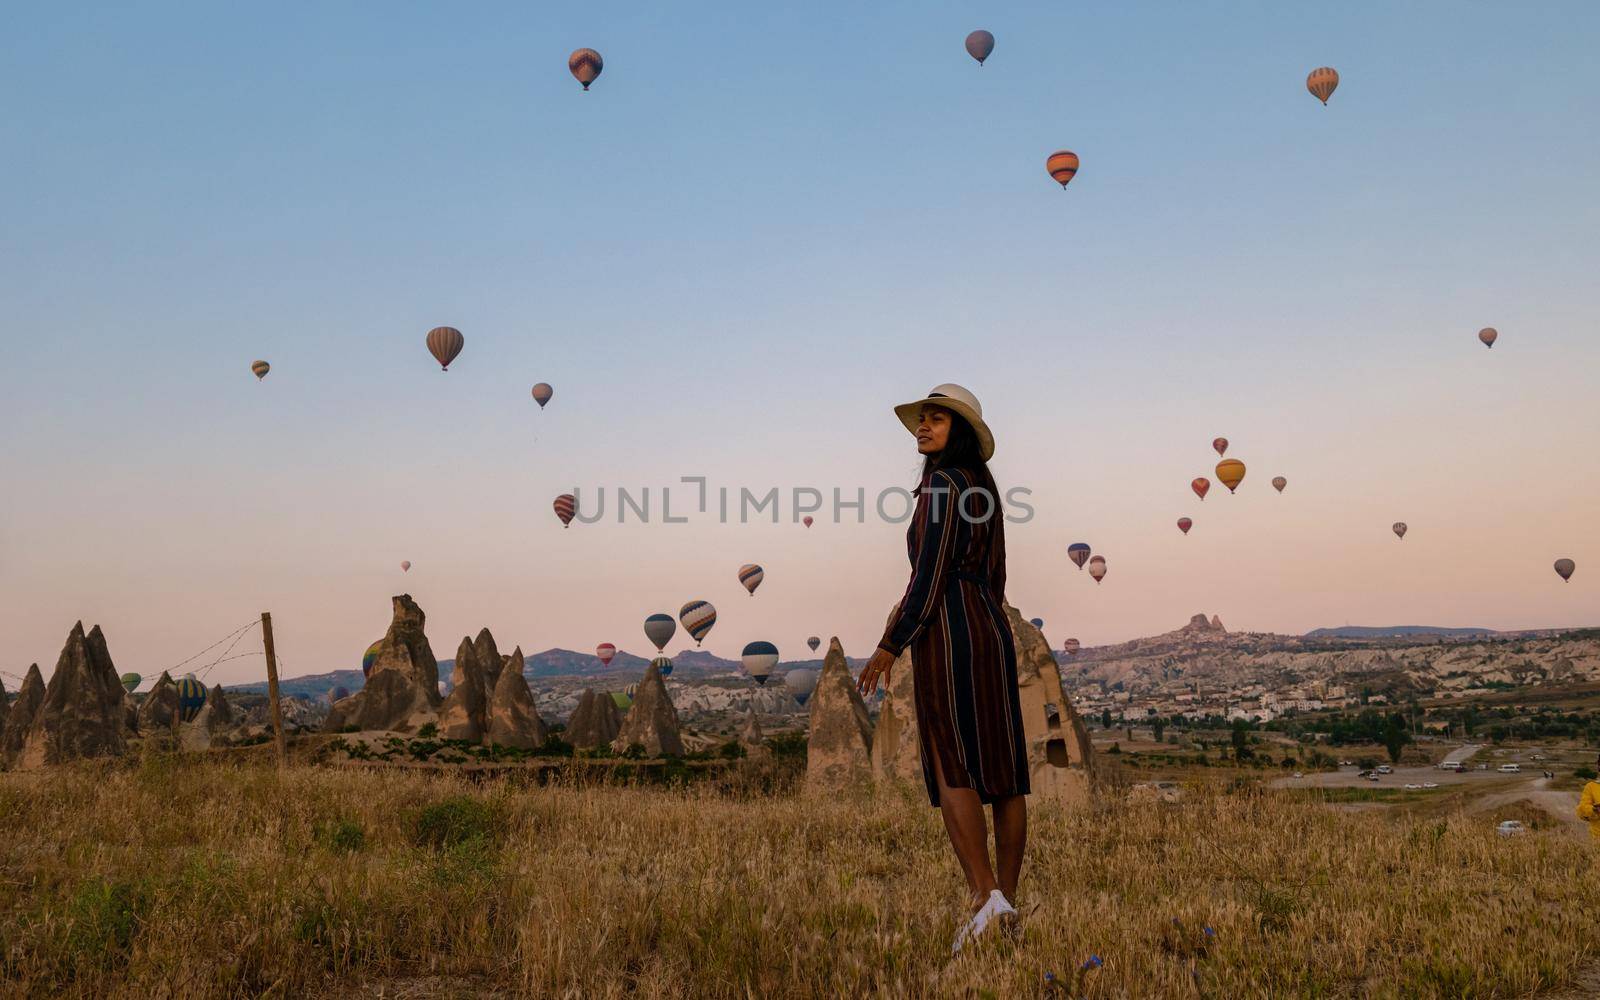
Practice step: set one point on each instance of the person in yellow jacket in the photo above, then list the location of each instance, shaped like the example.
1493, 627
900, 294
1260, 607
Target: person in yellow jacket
1589, 807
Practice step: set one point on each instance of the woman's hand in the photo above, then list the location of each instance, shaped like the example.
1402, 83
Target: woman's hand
877, 669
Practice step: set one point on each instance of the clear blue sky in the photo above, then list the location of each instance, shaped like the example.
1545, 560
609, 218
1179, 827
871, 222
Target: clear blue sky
758, 230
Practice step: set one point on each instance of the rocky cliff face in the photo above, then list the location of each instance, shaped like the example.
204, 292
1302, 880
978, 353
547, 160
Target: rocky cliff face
595, 722
465, 713
18, 721
402, 692
513, 718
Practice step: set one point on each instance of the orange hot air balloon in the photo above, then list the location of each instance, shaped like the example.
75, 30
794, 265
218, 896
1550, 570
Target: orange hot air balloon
1184, 524
1221, 444
585, 65
1278, 483
1231, 472
1201, 486
1488, 335
566, 506
1063, 166
444, 343
1321, 82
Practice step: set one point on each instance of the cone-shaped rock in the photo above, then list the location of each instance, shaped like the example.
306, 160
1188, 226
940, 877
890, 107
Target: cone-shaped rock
1058, 744
513, 718
5, 710
896, 746
402, 692
214, 719
465, 713
751, 735
651, 721
160, 708
81, 715
489, 659
29, 697
595, 722
839, 743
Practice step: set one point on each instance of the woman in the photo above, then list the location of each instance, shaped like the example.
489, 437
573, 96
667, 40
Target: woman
952, 617
1589, 807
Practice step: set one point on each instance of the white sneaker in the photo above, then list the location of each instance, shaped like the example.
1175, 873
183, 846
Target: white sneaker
997, 907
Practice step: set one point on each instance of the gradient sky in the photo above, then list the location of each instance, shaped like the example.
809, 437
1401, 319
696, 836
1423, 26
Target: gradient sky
763, 227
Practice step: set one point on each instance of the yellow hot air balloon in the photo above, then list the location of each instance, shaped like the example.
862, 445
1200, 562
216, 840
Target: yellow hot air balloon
1062, 166
1231, 472
1321, 82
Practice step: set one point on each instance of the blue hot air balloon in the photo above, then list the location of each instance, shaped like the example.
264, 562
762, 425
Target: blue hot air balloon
759, 658
1078, 552
697, 618
191, 697
663, 666
1036, 622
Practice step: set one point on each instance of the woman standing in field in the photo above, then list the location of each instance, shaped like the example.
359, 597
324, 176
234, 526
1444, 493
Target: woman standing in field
1589, 807
952, 617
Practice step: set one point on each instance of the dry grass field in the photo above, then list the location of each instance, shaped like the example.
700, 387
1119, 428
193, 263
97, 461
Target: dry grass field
175, 876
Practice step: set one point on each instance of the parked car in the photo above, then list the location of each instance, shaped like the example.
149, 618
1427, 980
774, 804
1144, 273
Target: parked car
1430, 784
1371, 776
1413, 785
1511, 768
1385, 769
1297, 774
1510, 828
1450, 765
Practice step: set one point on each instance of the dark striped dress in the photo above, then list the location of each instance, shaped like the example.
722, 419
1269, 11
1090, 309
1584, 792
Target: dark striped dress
965, 665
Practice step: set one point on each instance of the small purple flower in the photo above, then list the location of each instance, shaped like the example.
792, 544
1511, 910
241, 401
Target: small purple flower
1049, 977
1093, 962
1210, 932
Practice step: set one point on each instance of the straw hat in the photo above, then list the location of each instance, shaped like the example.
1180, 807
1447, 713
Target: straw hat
956, 399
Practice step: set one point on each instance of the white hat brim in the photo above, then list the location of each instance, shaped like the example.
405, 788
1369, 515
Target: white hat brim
910, 414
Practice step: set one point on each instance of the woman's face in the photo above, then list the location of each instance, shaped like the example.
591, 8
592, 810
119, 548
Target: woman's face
933, 430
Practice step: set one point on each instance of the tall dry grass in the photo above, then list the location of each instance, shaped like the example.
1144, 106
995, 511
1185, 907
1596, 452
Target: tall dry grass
179, 877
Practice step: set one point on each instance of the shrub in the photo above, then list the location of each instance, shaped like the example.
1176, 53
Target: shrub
343, 835
1584, 774
428, 731
731, 750
456, 821
102, 919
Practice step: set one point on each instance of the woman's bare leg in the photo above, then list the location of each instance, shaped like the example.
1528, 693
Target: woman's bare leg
969, 835
1010, 839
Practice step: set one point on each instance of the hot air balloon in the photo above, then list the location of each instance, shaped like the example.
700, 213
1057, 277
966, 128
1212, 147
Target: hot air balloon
405, 565
130, 681
1063, 166
979, 44
585, 65
1278, 483
605, 651
1036, 622
566, 507
1221, 444
806, 520
444, 343
338, 693
1078, 552
1184, 524
1400, 529
801, 683
542, 393
1201, 486
1097, 568
1564, 568
814, 642
697, 618
1488, 335
1321, 82
663, 666
260, 368
759, 658
191, 698
1071, 647
659, 629
368, 657
751, 576
1231, 472
622, 701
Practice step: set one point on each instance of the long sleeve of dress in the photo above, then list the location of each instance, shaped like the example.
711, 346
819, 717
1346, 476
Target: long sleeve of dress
939, 527
1588, 802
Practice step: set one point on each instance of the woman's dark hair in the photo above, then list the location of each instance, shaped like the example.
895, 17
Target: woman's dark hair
962, 450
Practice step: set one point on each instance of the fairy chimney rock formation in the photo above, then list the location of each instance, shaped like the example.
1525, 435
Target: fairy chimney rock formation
652, 721
896, 750
1059, 751
751, 735
209, 724
402, 692
29, 697
489, 659
465, 713
513, 718
1216, 624
160, 708
839, 744
5, 710
81, 714
595, 722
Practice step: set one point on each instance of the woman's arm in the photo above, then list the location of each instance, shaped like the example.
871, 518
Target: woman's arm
1587, 804
939, 523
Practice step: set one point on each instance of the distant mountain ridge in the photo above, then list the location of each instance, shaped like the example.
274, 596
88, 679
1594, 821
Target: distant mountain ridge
1396, 631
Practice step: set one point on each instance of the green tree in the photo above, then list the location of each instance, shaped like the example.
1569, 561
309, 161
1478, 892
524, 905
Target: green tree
1241, 739
1105, 718
1160, 728
1395, 738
